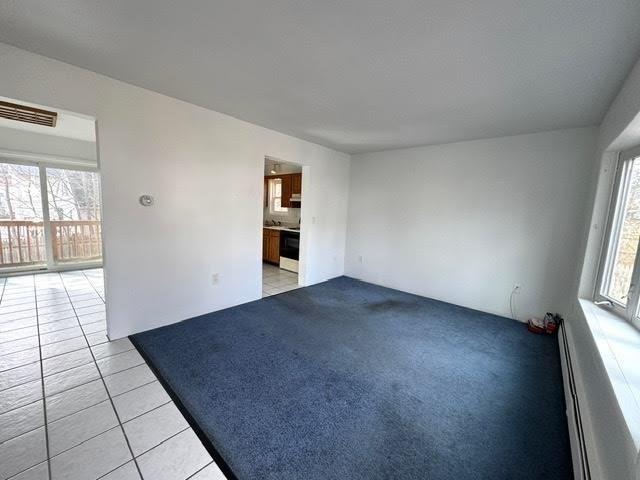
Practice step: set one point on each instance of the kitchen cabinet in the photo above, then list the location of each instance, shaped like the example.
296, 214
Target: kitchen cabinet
286, 190
271, 246
291, 185
296, 184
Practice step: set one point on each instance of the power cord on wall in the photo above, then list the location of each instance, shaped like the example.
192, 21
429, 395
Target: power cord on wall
512, 301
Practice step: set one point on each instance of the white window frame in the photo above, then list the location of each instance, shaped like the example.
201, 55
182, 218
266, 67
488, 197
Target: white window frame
612, 233
272, 198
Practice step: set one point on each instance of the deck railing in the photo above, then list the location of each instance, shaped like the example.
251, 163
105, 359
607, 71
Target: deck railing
76, 240
22, 242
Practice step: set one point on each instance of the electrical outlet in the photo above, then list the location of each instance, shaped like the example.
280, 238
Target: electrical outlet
214, 278
360, 259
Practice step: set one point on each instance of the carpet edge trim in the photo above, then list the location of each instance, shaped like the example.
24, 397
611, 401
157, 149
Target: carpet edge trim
208, 445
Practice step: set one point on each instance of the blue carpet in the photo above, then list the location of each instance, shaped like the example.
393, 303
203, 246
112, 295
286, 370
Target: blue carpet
348, 380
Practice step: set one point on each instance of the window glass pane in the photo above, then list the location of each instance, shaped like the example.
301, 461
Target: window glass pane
73, 194
21, 227
626, 248
275, 196
74, 210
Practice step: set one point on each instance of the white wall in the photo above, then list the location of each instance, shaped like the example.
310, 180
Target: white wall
23, 141
464, 222
205, 171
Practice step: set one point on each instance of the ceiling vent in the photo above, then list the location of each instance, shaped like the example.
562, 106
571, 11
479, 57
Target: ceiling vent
24, 113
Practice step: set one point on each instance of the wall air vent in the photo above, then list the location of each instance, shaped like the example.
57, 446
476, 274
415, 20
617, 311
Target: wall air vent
24, 113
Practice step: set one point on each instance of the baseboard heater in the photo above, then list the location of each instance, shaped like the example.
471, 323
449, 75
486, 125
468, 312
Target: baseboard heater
577, 418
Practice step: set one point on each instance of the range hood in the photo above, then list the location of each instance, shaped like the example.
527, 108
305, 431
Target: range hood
296, 197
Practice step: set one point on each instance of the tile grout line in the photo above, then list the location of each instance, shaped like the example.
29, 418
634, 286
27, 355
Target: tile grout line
45, 333
105, 386
93, 286
196, 473
44, 397
188, 427
77, 386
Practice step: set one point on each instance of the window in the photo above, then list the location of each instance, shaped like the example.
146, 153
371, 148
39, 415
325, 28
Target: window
619, 272
275, 196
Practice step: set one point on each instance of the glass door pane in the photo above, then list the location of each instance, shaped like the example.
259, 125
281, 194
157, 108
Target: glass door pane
74, 213
22, 240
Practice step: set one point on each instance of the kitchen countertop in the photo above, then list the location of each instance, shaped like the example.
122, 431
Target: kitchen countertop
277, 227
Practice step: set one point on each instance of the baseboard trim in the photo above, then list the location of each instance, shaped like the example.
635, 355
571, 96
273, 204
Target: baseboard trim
576, 429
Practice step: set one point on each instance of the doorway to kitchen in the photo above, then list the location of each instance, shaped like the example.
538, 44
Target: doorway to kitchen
282, 204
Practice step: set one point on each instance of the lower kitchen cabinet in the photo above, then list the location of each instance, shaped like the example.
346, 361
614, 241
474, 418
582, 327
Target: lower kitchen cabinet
271, 246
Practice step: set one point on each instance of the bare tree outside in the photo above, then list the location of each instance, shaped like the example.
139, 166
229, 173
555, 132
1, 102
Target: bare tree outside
74, 212
22, 239
627, 247
73, 194
20, 197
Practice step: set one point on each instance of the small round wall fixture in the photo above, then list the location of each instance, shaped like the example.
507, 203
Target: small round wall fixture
146, 200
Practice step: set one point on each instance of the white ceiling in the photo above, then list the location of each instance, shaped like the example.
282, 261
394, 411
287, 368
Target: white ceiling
356, 75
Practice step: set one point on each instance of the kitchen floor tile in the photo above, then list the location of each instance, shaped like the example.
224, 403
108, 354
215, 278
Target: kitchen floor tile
37, 472
122, 382
92, 317
65, 346
15, 324
93, 458
75, 399
210, 472
73, 377
140, 400
112, 348
58, 325
119, 362
80, 427
128, 471
19, 375
19, 334
17, 359
97, 338
66, 361
98, 326
18, 345
177, 458
54, 317
92, 309
60, 335
154, 427
21, 395
21, 420
23, 452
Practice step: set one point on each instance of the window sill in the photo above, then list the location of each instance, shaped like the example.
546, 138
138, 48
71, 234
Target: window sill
618, 344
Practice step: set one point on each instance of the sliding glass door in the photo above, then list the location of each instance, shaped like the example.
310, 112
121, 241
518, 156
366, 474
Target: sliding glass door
22, 239
74, 215
49, 217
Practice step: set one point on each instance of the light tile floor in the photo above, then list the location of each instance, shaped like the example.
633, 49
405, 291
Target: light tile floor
276, 280
74, 405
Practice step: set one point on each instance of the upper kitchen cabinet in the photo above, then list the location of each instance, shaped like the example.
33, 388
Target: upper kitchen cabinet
291, 187
286, 190
296, 184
